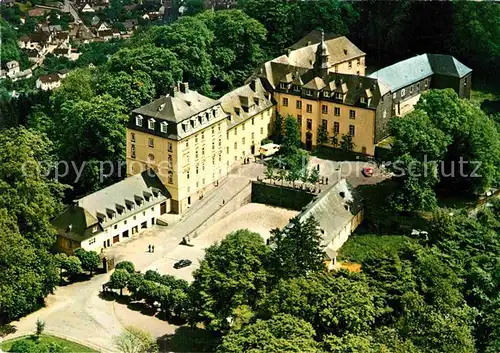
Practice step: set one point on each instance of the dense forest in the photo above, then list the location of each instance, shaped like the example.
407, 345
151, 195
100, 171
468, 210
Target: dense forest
433, 294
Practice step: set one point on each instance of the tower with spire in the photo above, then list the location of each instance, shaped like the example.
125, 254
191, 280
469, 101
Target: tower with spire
321, 61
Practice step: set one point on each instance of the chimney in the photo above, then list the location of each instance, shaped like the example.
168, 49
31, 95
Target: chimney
345, 51
184, 87
174, 90
288, 51
253, 84
309, 42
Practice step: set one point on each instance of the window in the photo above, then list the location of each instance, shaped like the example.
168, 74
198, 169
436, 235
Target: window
299, 120
187, 174
115, 226
309, 92
418, 86
362, 100
299, 104
358, 62
94, 230
243, 140
350, 64
296, 88
324, 123
336, 127
151, 124
411, 89
309, 124
283, 85
235, 131
357, 72
352, 130
338, 95
253, 121
187, 143
132, 153
309, 108
169, 161
236, 145
336, 111
326, 94
253, 135
324, 109
197, 169
132, 137
169, 146
352, 114
92, 241
426, 83
151, 142
138, 120
163, 127
403, 92
384, 114
285, 102
465, 83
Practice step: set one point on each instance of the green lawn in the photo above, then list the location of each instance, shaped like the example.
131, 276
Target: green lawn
358, 247
68, 345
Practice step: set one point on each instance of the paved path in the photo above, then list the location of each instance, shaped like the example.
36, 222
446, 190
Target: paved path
77, 312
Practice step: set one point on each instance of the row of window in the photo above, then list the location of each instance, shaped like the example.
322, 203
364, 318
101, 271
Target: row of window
324, 124
324, 109
151, 123
403, 91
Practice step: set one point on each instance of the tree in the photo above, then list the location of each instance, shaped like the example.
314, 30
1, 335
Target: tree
281, 333
291, 141
194, 7
314, 176
90, 259
277, 135
269, 172
126, 265
297, 249
135, 283
333, 304
10, 49
134, 340
99, 126
322, 135
119, 280
236, 49
28, 271
161, 64
231, 274
335, 140
28, 193
40, 326
133, 91
78, 85
71, 265
346, 143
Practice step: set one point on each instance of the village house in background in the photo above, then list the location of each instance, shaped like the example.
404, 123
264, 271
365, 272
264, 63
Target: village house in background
112, 214
13, 72
52, 81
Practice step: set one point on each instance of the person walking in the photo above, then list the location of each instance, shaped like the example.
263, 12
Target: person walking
149, 248
153, 247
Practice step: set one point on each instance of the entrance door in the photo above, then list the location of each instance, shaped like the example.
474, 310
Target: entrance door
125, 234
116, 239
144, 225
309, 140
152, 221
108, 242
189, 200
252, 149
163, 207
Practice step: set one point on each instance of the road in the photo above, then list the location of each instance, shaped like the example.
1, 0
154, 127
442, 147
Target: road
77, 312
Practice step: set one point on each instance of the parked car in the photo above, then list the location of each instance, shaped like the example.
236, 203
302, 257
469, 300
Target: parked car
182, 263
269, 149
367, 171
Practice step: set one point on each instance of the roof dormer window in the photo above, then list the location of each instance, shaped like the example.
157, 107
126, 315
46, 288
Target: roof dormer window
296, 88
151, 124
163, 127
309, 92
362, 100
138, 120
326, 94
338, 95
283, 85
237, 111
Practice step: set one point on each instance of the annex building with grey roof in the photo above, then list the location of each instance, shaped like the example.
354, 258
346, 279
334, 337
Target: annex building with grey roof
109, 215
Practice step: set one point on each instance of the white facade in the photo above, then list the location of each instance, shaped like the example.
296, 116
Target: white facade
123, 230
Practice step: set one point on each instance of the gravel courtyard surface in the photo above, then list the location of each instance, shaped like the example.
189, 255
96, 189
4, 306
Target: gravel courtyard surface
256, 217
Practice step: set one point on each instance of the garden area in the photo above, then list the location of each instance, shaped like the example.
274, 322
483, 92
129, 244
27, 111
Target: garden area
43, 343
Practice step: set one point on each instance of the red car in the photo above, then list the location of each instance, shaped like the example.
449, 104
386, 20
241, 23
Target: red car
367, 171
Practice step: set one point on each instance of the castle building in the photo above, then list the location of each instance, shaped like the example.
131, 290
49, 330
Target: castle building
191, 141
